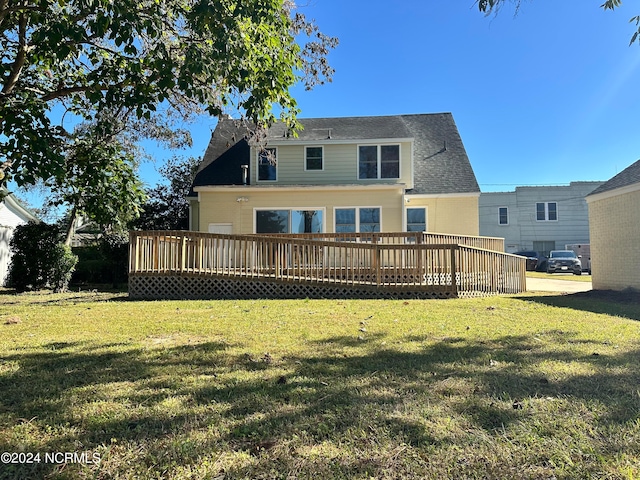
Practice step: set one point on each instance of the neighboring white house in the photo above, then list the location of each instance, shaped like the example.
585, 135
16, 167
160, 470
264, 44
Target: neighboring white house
541, 218
614, 220
12, 214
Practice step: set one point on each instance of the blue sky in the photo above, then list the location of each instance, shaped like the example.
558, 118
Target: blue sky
548, 96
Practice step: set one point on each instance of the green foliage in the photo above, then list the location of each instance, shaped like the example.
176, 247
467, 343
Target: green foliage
101, 264
99, 178
135, 56
64, 264
167, 207
39, 260
114, 247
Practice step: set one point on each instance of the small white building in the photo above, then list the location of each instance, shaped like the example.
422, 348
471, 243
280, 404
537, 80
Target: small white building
12, 214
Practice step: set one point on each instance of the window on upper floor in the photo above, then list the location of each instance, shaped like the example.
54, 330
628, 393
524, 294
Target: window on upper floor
378, 161
546, 211
503, 216
313, 158
267, 165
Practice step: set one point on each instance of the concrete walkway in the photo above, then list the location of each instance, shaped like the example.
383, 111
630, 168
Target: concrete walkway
553, 285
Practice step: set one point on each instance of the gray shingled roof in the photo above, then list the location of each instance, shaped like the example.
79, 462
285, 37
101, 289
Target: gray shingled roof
228, 150
343, 128
628, 176
441, 164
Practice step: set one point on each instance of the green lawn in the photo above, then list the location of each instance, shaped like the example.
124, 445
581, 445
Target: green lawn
534, 387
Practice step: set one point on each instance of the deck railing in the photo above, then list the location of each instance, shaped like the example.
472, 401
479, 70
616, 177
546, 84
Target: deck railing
487, 243
495, 244
393, 261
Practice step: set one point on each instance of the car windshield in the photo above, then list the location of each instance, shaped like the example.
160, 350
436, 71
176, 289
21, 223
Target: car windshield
527, 254
563, 254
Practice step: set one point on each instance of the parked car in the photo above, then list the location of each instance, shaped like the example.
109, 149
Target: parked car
564, 261
535, 260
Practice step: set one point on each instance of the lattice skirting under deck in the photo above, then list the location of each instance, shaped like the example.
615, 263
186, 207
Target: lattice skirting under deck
177, 287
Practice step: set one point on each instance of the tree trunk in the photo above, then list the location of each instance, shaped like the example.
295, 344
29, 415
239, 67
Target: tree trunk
71, 230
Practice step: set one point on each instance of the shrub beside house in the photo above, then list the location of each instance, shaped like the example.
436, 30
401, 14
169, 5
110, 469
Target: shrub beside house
12, 214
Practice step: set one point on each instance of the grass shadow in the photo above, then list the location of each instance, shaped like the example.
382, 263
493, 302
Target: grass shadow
622, 304
157, 396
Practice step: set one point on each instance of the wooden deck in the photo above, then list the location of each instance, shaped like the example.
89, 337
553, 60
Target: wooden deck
180, 264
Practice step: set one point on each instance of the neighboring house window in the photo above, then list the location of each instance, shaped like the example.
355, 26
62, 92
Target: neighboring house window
313, 158
503, 216
378, 161
267, 165
357, 219
416, 219
289, 221
546, 211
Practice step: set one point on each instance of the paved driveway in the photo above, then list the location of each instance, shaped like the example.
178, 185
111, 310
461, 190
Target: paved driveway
553, 285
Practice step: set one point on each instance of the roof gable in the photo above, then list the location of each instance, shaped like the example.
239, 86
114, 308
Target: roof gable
12, 212
441, 164
625, 178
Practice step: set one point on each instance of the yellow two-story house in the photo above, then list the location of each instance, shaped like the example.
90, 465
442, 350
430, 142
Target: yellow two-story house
352, 174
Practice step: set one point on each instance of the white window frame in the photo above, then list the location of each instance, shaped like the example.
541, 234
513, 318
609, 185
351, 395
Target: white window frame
426, 217
507, 222
357, 209
323, 226
321, 147
546, 212
379, 161
258, 165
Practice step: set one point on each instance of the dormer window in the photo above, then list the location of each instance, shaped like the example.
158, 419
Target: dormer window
378, 161
267, 165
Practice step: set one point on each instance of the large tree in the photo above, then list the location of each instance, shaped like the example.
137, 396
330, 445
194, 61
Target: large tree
88, 56
489, 6
167, 206
99, 180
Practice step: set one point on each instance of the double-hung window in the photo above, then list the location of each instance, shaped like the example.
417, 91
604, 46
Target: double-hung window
546, 211
357, 219
503, 216
267, 165
378, 161
313, 158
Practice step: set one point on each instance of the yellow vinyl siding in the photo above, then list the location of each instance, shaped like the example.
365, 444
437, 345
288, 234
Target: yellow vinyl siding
449, 214
194, 215
223, 207
340, 163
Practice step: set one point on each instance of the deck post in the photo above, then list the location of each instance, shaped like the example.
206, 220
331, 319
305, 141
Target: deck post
155, 261
183, 247
454, 285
